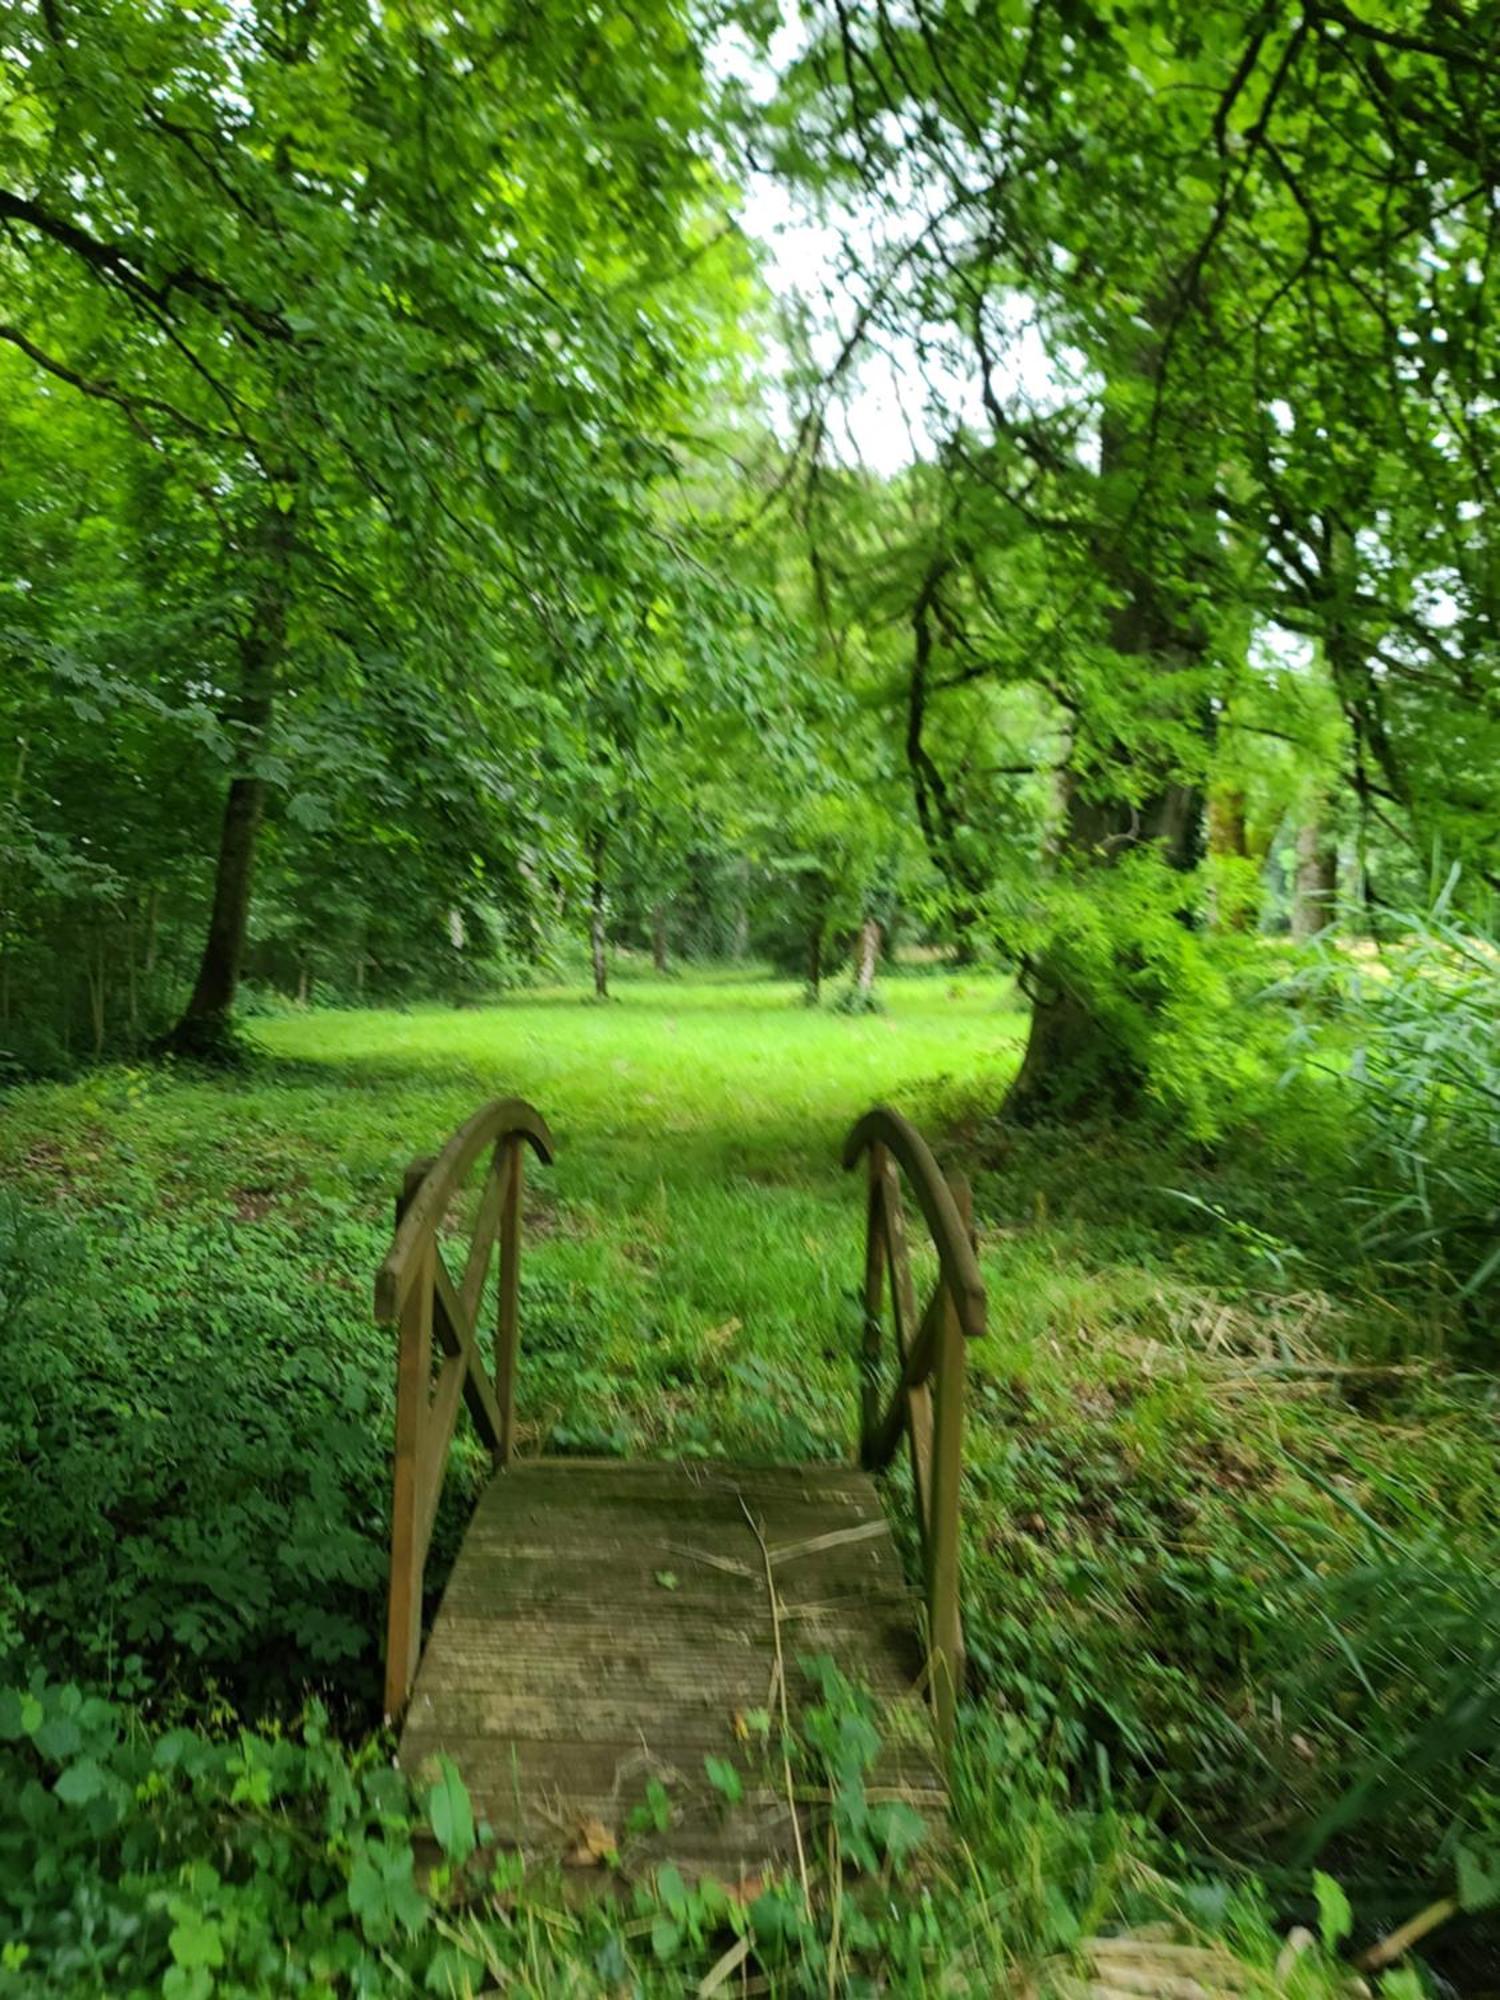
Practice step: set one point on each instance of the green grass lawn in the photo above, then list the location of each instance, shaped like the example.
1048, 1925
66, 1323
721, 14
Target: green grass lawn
1217, 1592
692, 1252
690, 1257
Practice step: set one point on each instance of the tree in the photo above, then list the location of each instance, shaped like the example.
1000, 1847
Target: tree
418, 389
1250, 410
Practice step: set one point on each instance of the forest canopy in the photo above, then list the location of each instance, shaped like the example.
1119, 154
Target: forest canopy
425, 523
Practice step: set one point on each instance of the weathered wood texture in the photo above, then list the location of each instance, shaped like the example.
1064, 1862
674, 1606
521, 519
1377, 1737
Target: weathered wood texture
415, 1293
610, 1623
927, 1400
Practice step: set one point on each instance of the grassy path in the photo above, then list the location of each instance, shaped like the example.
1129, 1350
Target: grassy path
691, 1255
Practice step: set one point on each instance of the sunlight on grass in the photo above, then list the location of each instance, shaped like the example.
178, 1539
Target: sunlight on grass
693, 1252
692, 1255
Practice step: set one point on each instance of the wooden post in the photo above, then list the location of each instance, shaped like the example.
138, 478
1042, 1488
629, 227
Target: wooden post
944, 1625
403, 1643
869, 1358
509, 1286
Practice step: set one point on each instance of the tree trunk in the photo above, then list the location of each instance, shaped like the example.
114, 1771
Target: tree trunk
18, 778
205, 1024
1090, 1029
659, 937
1077, 1059
598, 910
866, 958
814, 989
1315, 888
1079, 1056
739, 947
1226, 823
1226, 840
132, 984
204, 1029
94, 973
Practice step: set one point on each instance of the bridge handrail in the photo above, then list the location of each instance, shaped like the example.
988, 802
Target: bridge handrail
416, 1293
927, 1400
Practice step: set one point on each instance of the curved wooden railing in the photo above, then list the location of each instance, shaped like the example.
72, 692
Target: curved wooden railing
927, 1402
416, 1293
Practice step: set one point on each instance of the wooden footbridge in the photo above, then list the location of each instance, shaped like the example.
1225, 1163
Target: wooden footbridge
608, 1626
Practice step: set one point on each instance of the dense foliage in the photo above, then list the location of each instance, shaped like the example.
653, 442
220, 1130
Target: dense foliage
438, 560
1200, 297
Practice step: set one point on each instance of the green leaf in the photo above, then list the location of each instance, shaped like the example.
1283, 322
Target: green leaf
1478, 1878
196, 1941
673, 1892
1335, 1917
665, 1936
724, 1778
899, 1829
59, 1737
80, 1783
450, 1812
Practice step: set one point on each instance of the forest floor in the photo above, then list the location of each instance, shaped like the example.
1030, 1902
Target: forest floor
1203, 1469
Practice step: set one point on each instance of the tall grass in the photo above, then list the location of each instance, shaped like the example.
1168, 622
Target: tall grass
1421, 1023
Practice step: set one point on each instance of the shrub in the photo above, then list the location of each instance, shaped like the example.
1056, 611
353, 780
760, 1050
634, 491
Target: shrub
1424, 1065
185, 1866
193, 1453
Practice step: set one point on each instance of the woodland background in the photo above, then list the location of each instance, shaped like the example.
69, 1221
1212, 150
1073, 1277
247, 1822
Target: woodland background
439, 572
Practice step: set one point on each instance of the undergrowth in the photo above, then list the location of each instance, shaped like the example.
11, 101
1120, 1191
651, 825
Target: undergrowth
241, 1863
1230, 1534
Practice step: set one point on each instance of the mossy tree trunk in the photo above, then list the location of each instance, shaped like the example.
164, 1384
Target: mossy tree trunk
598, 918
1118, 797
205, 1026
866, 960
1076, 1061
1315, 884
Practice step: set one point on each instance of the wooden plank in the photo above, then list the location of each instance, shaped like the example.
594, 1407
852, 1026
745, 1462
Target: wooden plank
457, 1336
601, 1764
945, 1630
508, 1308
898, 1252
708, 1525
537, 1796
437, 1435
883, 1440
577, 1668
874, 1290
560, 1658
535, 1583
413, 1370
710, 1497
680, 1475
640, 1708
428, 1201
543, 1788
482, 1242
950, 1238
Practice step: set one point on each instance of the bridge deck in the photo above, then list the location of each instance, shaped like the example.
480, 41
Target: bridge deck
609, 1623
